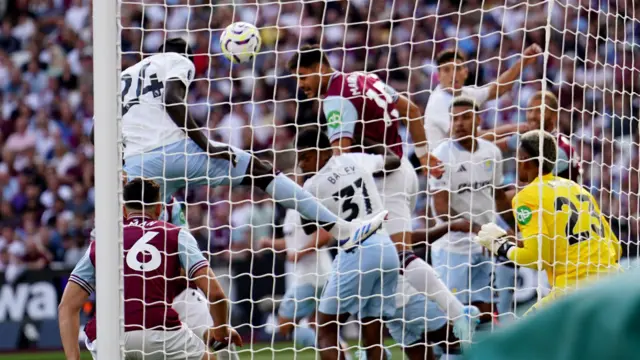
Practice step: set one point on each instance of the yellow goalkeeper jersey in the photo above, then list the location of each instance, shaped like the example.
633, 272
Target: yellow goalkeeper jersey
577, 241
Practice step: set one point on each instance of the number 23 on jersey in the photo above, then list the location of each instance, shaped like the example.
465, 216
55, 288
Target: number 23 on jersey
583, 220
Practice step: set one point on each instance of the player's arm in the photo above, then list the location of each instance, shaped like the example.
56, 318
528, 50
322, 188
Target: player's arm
277, 244
319, 239
502, 135
81, 284
527, 212
506, 81
198, 271
503, 205
391, 161
175, 99
441, 206
73, 298
502, 201
342, 117
532, 230
434, 233
413, 118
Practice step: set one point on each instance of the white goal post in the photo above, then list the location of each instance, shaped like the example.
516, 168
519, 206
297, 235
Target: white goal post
108, 164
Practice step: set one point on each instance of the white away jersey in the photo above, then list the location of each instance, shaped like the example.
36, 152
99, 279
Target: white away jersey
145, 123
345, 185
312, 269
437, 116
470, 179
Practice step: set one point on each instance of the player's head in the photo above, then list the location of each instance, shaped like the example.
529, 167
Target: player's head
452, 70
311, 66
464, 117
142, 196
535, 114
314, 150
176, 45
537, 149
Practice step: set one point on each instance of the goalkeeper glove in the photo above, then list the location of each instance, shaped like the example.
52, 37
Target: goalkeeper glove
495, 239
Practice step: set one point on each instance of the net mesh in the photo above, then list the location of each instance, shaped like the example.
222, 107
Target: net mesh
587, 60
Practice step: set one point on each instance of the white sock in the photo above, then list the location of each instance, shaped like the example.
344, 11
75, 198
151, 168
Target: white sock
425, 279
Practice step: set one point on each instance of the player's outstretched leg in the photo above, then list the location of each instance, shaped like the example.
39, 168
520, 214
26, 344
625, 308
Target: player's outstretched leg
426, 280
290, 195
183, 163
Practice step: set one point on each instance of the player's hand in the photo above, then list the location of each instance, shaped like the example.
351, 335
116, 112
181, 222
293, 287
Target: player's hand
223, 152
530, 54
494, 239
224, 334
431, 165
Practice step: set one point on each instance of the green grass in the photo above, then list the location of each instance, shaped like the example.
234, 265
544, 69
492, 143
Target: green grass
260, 351
54, 355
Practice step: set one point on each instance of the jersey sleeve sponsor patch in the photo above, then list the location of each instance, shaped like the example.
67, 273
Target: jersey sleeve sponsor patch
334, 119
523, 215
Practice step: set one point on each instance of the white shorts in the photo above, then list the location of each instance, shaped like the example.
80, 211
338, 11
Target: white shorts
399, 191
181, 344
193, 309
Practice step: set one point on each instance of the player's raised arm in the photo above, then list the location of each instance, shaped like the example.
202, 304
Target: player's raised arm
507, 79
198, 271
412, 117
177, 82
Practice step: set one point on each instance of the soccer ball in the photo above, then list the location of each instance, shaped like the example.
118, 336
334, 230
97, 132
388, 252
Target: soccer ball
240, 42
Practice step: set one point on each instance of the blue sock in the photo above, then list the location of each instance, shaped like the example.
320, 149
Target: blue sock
304, 337
288, 194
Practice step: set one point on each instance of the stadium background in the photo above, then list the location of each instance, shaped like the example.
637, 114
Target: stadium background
46, 109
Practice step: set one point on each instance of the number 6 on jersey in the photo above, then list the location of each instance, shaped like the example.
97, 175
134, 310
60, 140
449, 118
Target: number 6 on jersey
151, 259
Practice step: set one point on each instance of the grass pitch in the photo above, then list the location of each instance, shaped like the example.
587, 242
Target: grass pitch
259, 351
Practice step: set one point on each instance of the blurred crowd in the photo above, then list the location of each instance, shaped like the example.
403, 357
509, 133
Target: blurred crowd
46, 101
